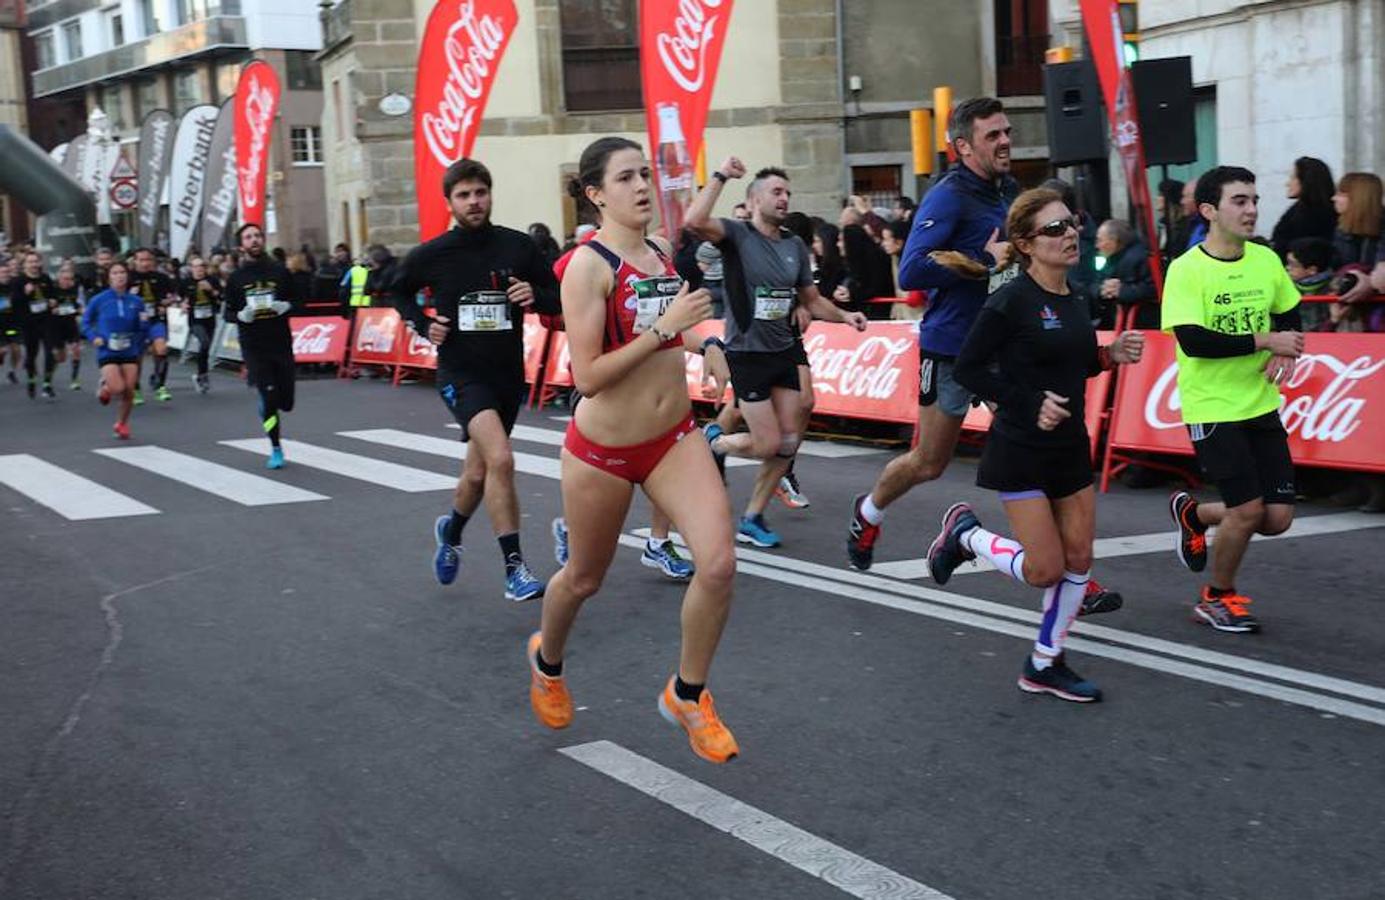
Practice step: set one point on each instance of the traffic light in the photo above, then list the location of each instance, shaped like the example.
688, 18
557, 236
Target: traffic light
1129, 11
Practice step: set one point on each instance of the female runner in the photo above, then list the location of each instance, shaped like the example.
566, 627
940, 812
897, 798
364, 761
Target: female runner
115, 322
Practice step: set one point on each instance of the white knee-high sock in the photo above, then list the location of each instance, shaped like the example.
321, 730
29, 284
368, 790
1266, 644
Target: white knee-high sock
1061, 604
1006, 554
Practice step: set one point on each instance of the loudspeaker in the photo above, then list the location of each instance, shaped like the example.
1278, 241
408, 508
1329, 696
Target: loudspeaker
1164, 104
1072, 107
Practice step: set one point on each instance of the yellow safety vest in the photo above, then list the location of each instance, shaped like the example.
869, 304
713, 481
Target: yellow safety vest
358, 279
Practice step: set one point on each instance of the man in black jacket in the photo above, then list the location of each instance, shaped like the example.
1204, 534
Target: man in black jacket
259, 298
1125, 280
482, 278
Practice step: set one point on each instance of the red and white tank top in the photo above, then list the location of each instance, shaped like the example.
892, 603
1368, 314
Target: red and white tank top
638, 299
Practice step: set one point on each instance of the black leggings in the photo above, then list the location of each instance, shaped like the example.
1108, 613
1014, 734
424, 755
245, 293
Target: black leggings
34, 336
202, 331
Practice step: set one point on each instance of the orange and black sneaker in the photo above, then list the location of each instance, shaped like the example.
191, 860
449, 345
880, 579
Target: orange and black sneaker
1192, 534
1098, 599
1226, 612
708, 735
549, 697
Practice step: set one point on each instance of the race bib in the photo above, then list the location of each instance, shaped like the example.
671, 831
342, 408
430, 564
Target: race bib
773, 304
67, 309
4, 304
484, 311
38, 306
201, 312
653, 296
999, 279
118, 341
260, 299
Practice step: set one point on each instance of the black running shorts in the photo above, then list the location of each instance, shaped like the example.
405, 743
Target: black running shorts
467, 395
1014, 468
755, 375
271, 372
1246, 460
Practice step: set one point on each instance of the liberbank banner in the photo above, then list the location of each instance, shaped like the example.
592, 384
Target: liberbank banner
457, 63
192, 151
155, 148
219, 192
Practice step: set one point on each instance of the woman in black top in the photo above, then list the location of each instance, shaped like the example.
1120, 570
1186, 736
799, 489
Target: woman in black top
828, 270
1030, 352
867, 274
1311, 214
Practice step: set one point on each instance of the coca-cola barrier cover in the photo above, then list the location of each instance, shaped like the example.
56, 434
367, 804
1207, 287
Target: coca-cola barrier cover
457, 63
256, 105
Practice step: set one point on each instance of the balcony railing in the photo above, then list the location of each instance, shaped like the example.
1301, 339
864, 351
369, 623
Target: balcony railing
220, 32
1019, 64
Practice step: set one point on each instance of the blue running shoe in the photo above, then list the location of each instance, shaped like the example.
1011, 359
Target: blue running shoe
560, 541
946, 552
666, 560
754, 530
276, 459
711, 431
447, 559
521, 585
1058, 680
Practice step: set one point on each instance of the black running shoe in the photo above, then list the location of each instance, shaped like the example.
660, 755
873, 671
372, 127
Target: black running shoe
12, 378
1192, 534
32, 390
860, 538
48, 394
946, 552
1098, 599
1058, 680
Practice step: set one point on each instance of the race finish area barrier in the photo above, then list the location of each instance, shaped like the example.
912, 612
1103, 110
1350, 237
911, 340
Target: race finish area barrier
1333, 406
381, 338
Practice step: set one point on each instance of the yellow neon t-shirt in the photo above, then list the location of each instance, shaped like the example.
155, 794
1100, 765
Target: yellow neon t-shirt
1230, 297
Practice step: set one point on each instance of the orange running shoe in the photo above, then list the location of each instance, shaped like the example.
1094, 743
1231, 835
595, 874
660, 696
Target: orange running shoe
122, 431
549, 697
1225, 613
708, 735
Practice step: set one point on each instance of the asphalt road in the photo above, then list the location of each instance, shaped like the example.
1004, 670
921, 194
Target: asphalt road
217, 700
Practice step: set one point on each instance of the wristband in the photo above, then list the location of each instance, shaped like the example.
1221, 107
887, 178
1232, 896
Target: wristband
712, 341
664, 337
720, 177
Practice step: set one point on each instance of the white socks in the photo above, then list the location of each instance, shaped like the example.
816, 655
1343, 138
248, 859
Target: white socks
873, 514
1062, 602
1006, 554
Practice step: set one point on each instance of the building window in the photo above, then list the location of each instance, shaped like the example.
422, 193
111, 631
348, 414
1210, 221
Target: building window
44, 53
1021, 37
146, 98
306, 141
303, 72
112, 103
227, 77
149, 17
880, 185
115, 27
601, 55
187, 90
72, 40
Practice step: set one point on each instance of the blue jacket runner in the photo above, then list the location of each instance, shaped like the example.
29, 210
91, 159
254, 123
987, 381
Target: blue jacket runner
119, 320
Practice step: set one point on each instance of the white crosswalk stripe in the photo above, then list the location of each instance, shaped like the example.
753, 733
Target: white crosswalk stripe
349, 465
544, 466
67, 494
214, 478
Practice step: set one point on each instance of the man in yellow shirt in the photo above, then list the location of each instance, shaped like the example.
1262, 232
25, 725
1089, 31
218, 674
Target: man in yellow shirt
1234, 311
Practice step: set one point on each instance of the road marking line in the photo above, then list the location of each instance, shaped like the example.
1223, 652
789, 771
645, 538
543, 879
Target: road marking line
829, 450
1156, 542
349, 465
544, 466
69, 495
214, 478
993, 616
839, 867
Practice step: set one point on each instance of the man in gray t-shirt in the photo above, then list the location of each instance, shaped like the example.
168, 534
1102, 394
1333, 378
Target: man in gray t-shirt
766, 275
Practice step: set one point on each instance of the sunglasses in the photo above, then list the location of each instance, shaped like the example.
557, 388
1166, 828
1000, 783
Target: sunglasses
1058, 227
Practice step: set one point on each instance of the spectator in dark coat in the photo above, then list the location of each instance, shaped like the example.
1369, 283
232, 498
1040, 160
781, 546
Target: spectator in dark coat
828, 268
1125, 279
1311, 215
867, 274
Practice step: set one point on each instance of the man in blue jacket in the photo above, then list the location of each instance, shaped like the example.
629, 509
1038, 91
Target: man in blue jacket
957, 249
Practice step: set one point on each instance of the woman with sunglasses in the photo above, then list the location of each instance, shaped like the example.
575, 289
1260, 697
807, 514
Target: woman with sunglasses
1030, 352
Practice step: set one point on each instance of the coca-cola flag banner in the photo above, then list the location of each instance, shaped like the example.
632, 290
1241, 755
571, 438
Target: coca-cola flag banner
1102, 22
256, 105
192, 151
219, 191
680, 52
457, 63
155, 148
1333, 406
